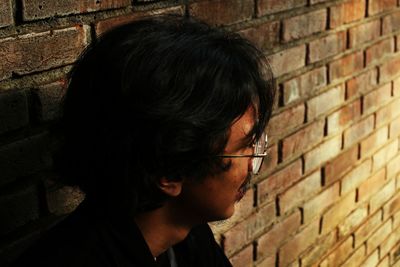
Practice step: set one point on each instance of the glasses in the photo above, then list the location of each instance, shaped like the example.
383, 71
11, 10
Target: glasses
259, 152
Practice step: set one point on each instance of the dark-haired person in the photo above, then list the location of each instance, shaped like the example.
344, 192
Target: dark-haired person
162, 128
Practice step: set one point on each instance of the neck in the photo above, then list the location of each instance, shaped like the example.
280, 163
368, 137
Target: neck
161, 229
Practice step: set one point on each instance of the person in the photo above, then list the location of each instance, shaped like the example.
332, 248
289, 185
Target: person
162, 127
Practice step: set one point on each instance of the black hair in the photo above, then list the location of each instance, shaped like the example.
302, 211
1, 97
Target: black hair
156, 98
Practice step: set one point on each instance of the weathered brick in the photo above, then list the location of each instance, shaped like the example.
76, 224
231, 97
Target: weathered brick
378, 6
288, 60
292, 249
393, 167
269, 242
304, 85
356, 258
338, 212
300, 192
379, 236
264, 36
379, 50
391, 207
14, 110
337, 257
372, 185
278, 182
64, 200
364, 33
107, 24
319, 203
316, 252
340, 119
304, 25
347, 12
384, 262
6, 14
356, 176
327, 46
396, 87
391, 23
345, 66
286, 121
388, 113
383, 195
48, 100
377, 98
244, 232
395, 256
41, 51
302, 140
390, 242
271, 160
222, 12
389, 69
385, 154
18, 208
324, 152
272, 6
361, 83
24, 157
352, 221
337, 166
396, 220
372, 260
323, 103
267, 262
358, 131
243, 258
374, 141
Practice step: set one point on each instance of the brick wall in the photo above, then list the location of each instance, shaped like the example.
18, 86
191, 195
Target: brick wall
329, 191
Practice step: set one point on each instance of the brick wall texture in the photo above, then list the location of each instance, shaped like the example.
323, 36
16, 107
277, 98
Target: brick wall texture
329, 191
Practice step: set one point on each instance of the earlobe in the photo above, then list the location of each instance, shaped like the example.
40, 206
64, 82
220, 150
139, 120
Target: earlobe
170, 187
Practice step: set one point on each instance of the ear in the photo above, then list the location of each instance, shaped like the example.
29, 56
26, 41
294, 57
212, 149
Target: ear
169, 187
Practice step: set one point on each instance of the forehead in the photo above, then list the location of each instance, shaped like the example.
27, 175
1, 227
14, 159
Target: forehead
240, 129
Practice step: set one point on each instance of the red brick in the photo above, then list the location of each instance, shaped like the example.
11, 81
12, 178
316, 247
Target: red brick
272, 6
271, 160
292, 249
347, 12
345, 66
304, 85
286, 121
391, 23
278, 182
302, 140
378, 6
269, 242
389, 69
322, 153
395, 128
244, 258
107, 24
340, 119
382, 157
323, 103
361, 83
377, 98
18, 208
379, 236
393, 167
364, 33
41, 51
14, 110
388, 113
337, 257
358, 131
356, 258
383, 195
319, 203
352, 221
222, 12
374, 141
327, 46
304, 25
244, 232
340, 164
6, 14
264, 36
288, 60
355, 177
298, 193
311, 257
338, 212
37, 9
379, 50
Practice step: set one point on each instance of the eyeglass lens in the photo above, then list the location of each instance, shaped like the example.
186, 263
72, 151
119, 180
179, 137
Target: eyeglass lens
259, 148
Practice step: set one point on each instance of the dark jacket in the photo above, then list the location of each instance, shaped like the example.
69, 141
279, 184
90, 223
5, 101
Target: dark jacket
88, 237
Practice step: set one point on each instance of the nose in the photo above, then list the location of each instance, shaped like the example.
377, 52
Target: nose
250, 165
